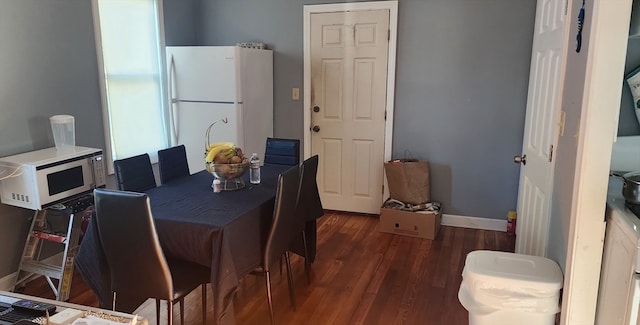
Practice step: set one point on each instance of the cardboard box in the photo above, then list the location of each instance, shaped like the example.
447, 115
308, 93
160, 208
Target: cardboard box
422, 224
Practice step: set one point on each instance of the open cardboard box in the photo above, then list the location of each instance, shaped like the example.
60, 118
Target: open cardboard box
421, 224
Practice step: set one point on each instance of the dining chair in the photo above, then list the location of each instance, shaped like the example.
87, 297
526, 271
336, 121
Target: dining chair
134, 173
282, 152
284, 228
308, 208
172, 163
137, 265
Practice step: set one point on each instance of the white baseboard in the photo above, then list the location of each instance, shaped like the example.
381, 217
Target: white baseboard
7, 282
473, 222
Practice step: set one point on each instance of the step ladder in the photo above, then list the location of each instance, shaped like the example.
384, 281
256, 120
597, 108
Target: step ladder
32, 265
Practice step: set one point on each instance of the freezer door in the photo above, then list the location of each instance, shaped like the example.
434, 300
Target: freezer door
192, 121
202, 73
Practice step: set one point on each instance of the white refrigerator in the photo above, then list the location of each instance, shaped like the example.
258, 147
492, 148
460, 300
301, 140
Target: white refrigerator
210, 83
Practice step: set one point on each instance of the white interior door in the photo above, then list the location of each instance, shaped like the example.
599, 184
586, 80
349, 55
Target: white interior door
349, 53
540, 132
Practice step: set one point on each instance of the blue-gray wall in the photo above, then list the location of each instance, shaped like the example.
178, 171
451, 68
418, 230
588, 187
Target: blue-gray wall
462, 72
47, 67
181, 22
628, 124
461, 86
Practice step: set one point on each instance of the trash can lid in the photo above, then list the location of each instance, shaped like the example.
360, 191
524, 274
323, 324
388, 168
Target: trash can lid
506, 270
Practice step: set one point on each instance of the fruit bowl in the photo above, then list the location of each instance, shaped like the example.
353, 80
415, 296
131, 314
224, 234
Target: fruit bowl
228, 171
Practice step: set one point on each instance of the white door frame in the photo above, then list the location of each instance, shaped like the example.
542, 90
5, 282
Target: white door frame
608, 24
392, 6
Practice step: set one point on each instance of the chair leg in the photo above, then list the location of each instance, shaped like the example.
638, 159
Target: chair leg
113, 302
204, 304
307, 264
292, 293
182, 311
158, 311
169, 312
268, 280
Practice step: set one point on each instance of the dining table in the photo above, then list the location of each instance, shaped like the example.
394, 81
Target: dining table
225, 231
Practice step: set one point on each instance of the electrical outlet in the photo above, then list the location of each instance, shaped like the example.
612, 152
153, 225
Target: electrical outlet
295, 93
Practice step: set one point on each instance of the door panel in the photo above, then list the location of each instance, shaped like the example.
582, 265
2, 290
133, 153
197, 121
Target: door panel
330, 171
540, 136
332, 73
348, 78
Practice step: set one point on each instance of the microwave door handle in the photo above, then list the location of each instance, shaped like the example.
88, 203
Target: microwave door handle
93, 172
173, 101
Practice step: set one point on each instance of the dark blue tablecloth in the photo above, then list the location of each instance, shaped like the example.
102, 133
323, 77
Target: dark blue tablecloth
225, 231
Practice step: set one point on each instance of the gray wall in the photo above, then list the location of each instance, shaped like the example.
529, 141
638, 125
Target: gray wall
47, 67
461, 86
628, 124
181, 22
460, 98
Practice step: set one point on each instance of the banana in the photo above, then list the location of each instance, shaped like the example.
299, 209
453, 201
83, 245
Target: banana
229, 152
227, 144
211, 154
228, 149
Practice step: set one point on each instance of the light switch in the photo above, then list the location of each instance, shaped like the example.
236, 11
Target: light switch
295, 93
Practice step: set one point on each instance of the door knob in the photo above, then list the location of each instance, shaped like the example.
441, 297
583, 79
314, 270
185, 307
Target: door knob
316, 128
316, 109
520, 160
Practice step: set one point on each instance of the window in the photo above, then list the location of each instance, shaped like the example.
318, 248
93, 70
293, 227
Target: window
129, 43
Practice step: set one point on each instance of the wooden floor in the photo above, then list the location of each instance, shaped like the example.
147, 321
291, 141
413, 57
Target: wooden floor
360, 276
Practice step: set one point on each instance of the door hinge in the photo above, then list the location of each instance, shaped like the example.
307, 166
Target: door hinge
385, 114
388, 34
382, 189
563, 117
550, 153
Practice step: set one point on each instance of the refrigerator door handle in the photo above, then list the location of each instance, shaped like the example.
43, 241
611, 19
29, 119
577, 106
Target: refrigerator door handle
173, 102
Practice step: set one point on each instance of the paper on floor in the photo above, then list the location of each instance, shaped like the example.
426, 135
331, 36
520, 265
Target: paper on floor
92, 320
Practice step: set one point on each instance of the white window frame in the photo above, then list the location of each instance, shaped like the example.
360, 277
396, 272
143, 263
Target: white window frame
102, 79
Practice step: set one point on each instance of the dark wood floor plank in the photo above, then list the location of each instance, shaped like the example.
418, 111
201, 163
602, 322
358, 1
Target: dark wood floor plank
431, 289
360, 276
415, 282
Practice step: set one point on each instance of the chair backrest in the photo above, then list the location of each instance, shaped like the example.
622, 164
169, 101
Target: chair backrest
284, 226
134, 173
309, 204
127, 232
282, 152
172, 163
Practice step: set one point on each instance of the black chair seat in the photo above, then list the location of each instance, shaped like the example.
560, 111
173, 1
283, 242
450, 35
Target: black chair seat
187, 276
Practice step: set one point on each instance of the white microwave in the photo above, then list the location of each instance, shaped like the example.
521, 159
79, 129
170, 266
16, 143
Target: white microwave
38, 179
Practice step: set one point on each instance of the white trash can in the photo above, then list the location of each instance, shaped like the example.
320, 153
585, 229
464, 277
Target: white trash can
508, 288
